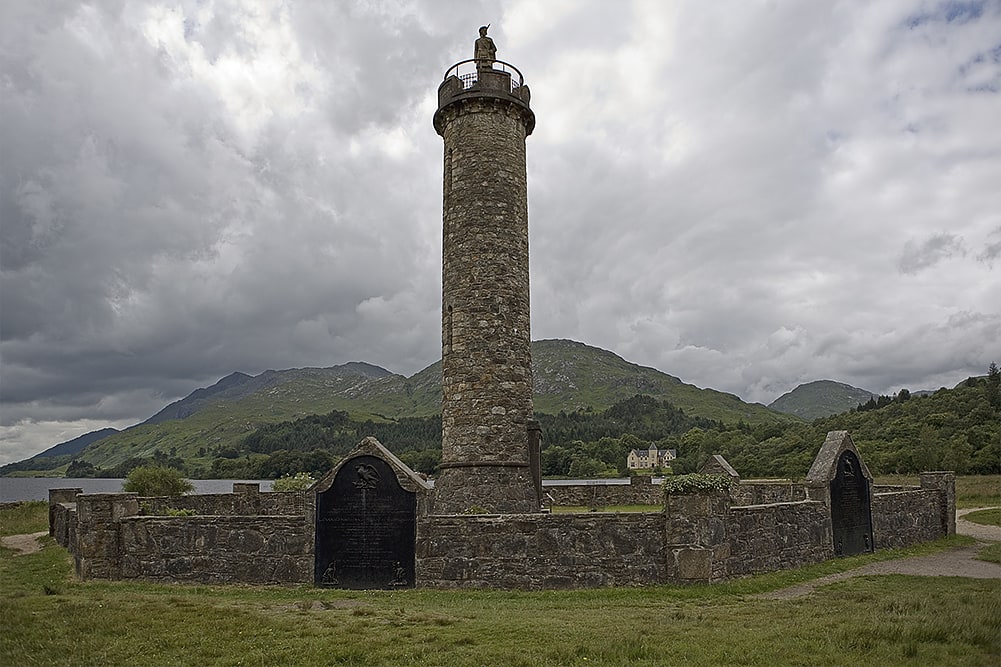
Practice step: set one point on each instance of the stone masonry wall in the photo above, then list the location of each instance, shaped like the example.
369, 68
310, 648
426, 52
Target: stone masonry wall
765, 538
110, 540
904, 518
764, 492
62, 523
639, 492
238, 504
97, 553
535, 551
217, 549
642, 492
695, 533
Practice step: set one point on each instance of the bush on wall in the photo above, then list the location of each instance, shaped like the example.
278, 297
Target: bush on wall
297, 482
696, 483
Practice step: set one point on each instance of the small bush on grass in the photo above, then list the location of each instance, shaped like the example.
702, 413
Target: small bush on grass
156, 481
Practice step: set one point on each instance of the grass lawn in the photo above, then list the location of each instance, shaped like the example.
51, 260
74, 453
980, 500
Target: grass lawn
990, 517
30, 517
991, 553
50, 618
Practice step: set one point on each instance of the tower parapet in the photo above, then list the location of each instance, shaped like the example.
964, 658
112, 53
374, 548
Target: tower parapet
484, 117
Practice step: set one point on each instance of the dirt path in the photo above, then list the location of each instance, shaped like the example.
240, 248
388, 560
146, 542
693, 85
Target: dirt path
975, 530
959, 562
23, 544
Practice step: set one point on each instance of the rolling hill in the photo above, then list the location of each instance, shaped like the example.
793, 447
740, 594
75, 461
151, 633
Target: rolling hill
821, 398
567, 376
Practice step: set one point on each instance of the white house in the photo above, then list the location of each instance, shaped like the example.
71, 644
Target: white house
639, 459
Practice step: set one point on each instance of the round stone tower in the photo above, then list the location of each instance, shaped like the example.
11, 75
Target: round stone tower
484, 116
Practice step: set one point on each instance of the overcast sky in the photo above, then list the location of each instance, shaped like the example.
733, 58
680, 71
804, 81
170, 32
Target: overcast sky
747, 194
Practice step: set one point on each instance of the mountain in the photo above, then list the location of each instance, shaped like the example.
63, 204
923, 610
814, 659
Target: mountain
567, 376
235, 386
821, 398
76, 445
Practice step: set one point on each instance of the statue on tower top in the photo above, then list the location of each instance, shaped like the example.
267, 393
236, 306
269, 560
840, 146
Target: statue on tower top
484, 52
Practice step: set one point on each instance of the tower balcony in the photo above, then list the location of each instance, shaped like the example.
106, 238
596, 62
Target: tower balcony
495, 72
496, 79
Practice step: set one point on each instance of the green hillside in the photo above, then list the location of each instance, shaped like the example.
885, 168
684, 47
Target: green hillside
821, 398
952, 429
570, 376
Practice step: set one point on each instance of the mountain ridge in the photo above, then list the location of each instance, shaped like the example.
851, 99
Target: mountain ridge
820, 398
568, 376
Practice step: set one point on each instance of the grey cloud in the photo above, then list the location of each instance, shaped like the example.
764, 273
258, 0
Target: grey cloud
919, 256
208, 187
992, 249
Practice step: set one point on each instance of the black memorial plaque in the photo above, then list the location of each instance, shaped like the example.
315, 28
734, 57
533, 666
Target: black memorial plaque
851, 508
365, 528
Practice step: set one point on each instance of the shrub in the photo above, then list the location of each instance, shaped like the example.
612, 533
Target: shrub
156, 481
297, 482
696, 483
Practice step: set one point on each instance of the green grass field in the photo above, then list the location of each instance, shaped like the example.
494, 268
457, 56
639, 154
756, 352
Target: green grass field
50, 618
991, 517
971, 490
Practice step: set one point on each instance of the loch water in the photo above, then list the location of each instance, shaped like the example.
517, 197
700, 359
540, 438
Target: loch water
13, 489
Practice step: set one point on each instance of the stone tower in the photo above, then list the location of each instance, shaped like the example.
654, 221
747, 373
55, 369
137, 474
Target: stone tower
484, 117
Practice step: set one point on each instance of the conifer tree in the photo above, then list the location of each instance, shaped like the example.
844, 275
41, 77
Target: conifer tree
994, 386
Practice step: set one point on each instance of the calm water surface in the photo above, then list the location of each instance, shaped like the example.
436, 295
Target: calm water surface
37, 488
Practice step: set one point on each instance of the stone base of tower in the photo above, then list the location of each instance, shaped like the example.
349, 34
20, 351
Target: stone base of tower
485, 489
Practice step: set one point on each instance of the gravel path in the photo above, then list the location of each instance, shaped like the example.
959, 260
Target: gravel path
23, 544
959, 562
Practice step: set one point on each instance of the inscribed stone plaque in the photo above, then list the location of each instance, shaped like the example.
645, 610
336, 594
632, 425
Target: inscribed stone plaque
365, 528
851, 508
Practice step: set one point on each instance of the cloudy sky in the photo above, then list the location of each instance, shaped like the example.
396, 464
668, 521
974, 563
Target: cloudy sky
744, 194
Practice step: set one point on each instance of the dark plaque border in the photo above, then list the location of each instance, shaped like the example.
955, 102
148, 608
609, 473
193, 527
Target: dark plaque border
851, 508
365, 528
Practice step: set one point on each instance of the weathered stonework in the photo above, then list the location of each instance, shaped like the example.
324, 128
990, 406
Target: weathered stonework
535, 551
945, 483
640, 491
764, 538
486, 334
765, 492
902, 518
99, 516
697, 538
242, 502
217, 549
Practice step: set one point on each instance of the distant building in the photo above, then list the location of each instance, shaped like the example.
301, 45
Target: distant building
640, 459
